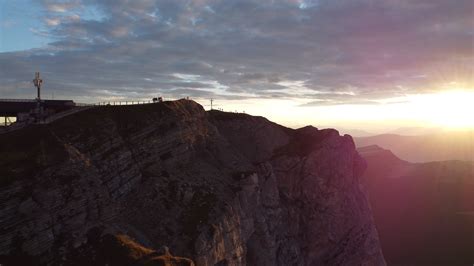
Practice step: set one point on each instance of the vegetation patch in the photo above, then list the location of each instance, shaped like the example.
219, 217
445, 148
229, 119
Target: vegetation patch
120, 250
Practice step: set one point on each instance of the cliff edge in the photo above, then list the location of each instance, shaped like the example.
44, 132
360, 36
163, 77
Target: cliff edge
218, 188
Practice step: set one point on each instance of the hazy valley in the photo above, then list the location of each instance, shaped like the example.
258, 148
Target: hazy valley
424, 212
433, 146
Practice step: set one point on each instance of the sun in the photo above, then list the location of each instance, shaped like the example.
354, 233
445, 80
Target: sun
450, 108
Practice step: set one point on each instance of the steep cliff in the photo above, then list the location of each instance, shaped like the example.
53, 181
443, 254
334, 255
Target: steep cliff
219, 188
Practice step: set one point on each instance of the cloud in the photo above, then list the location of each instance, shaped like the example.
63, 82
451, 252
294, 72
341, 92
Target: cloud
52, 21
337, 52
60, 6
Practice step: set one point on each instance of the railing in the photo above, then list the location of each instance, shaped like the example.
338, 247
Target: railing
87, 104
125, 102
78, 108
84, 104
17, 100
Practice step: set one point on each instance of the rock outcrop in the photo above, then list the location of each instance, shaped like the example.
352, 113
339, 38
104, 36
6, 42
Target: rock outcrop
218, 188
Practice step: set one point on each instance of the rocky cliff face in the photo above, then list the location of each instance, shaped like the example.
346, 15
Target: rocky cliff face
219, 188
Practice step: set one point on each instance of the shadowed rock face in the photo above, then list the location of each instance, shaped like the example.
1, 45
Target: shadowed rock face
219, 188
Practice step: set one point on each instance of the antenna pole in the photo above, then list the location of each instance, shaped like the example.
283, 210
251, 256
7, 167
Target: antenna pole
211, 102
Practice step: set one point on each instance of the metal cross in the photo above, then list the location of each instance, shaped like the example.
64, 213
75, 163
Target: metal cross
38, 81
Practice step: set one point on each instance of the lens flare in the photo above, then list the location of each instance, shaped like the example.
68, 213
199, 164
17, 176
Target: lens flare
451, 108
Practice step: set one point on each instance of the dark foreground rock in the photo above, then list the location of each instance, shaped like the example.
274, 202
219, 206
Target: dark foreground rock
218, 188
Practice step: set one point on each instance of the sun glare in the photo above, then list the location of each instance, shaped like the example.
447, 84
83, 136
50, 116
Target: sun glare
451, 108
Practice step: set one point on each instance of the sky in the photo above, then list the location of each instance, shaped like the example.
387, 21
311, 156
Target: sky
363, 64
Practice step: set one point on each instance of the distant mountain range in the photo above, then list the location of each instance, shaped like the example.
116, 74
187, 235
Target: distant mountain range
415, 131
404, 131
424, 212
440, 146
355, 132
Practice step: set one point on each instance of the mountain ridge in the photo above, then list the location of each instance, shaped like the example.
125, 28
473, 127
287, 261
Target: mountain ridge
218, 188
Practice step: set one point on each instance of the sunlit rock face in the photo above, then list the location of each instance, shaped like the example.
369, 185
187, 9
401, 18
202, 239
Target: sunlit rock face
217, 188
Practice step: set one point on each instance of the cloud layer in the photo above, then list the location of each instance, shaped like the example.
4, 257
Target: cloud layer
324, 52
